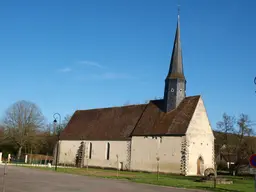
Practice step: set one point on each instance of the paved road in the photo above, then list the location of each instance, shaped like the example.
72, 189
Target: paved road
20, 179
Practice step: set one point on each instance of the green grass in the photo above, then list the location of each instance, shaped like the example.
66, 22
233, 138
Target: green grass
239, 184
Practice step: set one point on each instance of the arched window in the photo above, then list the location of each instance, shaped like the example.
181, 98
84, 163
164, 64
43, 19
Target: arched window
90, 150
108, 151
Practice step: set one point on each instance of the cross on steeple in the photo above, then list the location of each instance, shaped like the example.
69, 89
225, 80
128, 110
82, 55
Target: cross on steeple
178, 10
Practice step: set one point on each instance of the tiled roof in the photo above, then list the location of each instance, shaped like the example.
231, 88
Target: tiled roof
120, 123
156, 122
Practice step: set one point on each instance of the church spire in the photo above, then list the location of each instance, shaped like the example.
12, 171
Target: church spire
175, 82
176, 63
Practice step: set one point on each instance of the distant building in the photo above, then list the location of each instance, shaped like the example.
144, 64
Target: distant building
174, 131
232, 151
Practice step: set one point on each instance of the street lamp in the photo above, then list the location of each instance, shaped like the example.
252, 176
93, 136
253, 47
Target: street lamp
58, 137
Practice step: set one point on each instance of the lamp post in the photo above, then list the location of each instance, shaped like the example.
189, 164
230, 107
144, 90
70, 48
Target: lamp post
58, 137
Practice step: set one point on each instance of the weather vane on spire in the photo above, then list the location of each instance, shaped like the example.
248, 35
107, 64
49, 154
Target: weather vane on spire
178, 6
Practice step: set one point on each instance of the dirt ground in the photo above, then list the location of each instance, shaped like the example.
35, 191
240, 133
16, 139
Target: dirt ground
19, 179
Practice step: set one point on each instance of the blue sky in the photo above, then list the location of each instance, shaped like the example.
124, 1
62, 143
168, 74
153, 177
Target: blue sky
69, 55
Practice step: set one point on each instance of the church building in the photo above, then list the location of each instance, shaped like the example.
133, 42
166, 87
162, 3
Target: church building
173, 132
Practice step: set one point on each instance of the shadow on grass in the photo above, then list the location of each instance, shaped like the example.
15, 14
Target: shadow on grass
217, 189
180, 177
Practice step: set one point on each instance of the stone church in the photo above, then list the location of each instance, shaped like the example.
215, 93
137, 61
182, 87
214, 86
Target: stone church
173, 132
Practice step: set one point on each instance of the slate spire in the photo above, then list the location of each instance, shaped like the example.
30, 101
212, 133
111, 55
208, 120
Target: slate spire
176, 64
175, 82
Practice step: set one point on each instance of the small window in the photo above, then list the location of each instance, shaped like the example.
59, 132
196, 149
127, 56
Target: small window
108, 151
90, 151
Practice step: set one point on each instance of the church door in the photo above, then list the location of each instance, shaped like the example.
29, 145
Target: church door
199, 166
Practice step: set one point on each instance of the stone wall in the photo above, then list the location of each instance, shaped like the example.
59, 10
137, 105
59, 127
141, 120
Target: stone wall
68, 151
200, 140
145, 151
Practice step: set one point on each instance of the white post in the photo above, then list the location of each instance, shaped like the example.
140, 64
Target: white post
26, 158
1, 154
87, 162
9, 158
65, 157
157, 168
45, 159
117, 167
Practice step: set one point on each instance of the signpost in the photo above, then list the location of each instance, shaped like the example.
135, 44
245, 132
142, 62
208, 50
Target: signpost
253, 168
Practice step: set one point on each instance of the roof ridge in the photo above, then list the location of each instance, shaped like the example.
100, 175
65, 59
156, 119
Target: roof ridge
115, 107
123, 106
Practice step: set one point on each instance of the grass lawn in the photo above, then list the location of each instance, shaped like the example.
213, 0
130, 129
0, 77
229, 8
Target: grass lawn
239, 185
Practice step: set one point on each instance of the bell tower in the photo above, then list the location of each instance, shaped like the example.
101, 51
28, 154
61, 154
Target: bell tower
175, 82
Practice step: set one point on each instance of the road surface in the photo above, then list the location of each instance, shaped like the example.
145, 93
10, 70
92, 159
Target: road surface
19, 179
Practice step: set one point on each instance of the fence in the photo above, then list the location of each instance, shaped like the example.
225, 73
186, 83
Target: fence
30, 159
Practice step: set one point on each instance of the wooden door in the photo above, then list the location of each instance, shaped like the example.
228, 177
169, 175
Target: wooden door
198, 166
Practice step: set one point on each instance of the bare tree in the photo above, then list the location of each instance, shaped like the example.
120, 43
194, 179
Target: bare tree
22, 120
244, 125
227, 127
225, 142
66, 120
235, 139
243, 141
